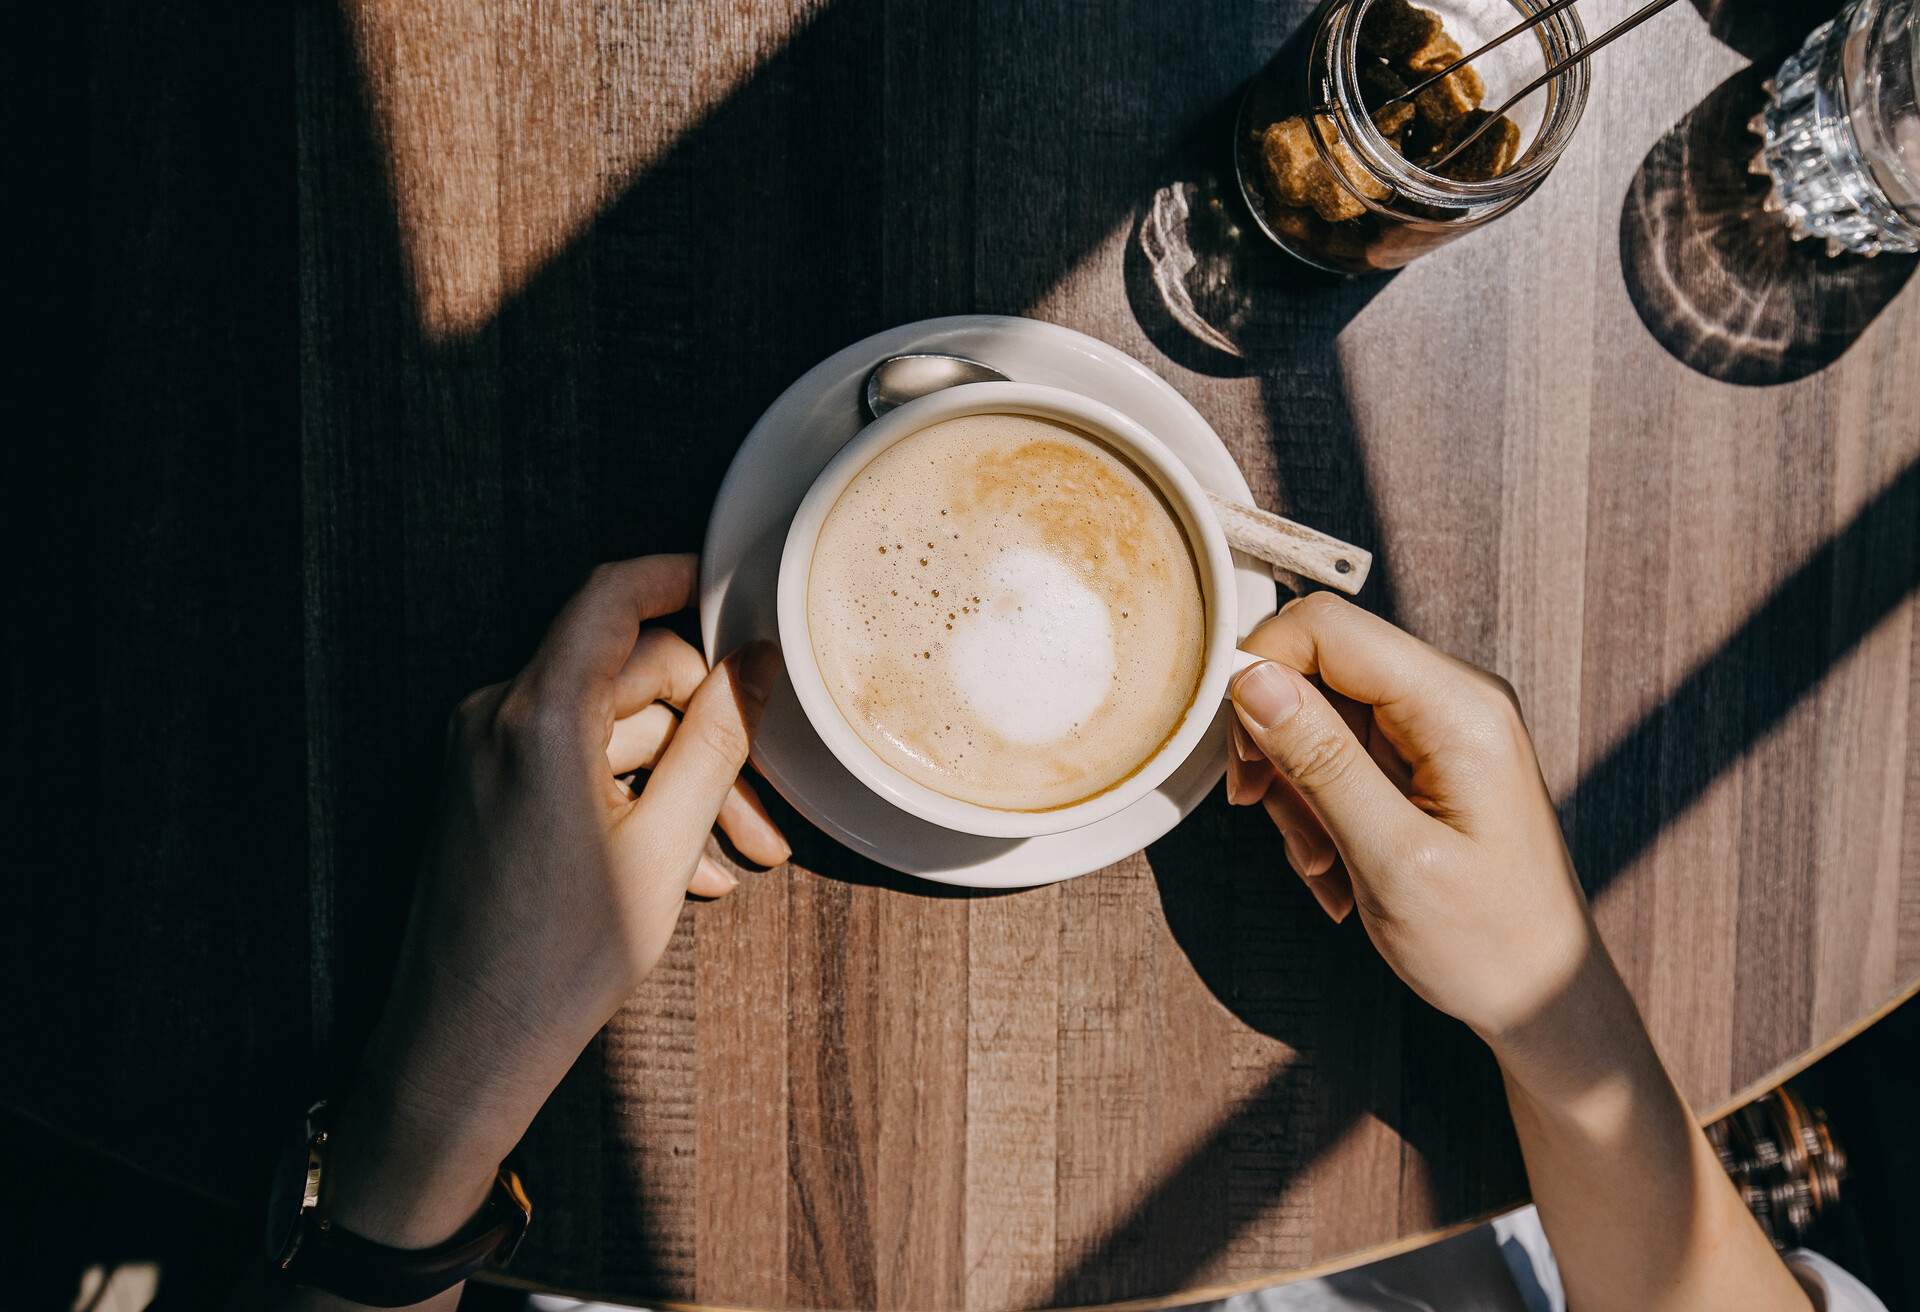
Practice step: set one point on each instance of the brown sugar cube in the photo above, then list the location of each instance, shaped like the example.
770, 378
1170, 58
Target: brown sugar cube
1489, 156
1330, 199
1350, 167
1394, 29
1299, 226
1299, 176
1341, 243
1449, 100
1396, 244
1291, 160
1394, 120
1380, 83
1349, 243
1333, 202
1432, 55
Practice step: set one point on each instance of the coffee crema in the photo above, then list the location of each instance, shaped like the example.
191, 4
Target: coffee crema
1007, 611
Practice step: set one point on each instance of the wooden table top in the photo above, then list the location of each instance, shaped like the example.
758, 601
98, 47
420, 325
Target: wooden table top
397, 321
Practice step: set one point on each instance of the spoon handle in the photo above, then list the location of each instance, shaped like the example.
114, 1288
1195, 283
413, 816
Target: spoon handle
1279, 541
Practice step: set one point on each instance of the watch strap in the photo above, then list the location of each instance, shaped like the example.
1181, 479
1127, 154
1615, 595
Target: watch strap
363, 1271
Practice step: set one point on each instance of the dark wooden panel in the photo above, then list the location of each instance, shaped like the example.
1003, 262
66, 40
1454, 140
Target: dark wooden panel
156, 960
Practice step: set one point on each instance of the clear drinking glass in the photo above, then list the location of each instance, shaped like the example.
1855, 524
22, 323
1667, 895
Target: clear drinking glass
1842, 131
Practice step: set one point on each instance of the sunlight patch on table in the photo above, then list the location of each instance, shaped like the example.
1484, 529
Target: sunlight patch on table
507, 130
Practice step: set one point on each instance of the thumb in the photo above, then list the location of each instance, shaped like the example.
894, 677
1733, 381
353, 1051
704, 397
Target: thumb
1312, 748
670, 820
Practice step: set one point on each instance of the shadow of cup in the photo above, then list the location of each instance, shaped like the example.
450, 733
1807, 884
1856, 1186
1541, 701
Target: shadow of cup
1716, 278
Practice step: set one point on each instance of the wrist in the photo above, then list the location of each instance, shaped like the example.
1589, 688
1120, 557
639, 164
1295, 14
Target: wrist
406, 1180
1582, 1036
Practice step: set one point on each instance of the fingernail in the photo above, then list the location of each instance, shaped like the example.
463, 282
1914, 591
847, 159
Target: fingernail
1266, 695
759, 669
711, 879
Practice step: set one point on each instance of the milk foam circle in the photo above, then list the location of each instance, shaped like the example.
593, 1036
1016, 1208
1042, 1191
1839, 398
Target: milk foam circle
1007, 611
1062, 646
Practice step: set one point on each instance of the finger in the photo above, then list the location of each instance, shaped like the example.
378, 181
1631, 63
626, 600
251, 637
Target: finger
711, 879
638, 739
637, 743
591, 639
1312, 748
1352, 651
745, 822
1310, 850
662, 667
667, 827
1248, 770
1359, 655
1387, 756
474, 715
1247, 781
1366, 727
1358, 715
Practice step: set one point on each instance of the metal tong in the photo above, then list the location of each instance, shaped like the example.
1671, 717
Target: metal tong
1607, 37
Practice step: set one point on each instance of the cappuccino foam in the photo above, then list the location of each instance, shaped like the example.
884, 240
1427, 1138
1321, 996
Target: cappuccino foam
1007, 611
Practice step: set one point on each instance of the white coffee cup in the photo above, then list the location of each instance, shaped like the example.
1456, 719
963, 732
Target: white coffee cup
1183, 494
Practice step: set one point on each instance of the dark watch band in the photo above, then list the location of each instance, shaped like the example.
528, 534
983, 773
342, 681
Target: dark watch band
310, 1249
343, 1263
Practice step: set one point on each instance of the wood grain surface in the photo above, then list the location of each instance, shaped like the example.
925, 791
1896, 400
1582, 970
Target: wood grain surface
364, 331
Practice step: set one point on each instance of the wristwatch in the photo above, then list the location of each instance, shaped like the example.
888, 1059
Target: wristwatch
309, 1249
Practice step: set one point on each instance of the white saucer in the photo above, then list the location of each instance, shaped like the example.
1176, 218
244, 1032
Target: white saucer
771, 472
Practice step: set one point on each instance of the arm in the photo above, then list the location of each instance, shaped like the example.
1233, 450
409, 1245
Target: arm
1404, 784
550, 890
1633, 1200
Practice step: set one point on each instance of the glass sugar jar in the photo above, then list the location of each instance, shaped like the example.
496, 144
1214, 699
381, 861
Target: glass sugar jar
1346, 172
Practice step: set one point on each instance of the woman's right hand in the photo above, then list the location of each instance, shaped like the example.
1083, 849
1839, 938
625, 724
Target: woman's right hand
1407, 787
1404, 783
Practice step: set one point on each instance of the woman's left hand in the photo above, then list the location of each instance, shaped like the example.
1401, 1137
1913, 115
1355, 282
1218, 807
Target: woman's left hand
550, 889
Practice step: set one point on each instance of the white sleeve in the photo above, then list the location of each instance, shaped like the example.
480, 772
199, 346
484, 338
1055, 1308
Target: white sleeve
1831, 1287
1537, 1276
